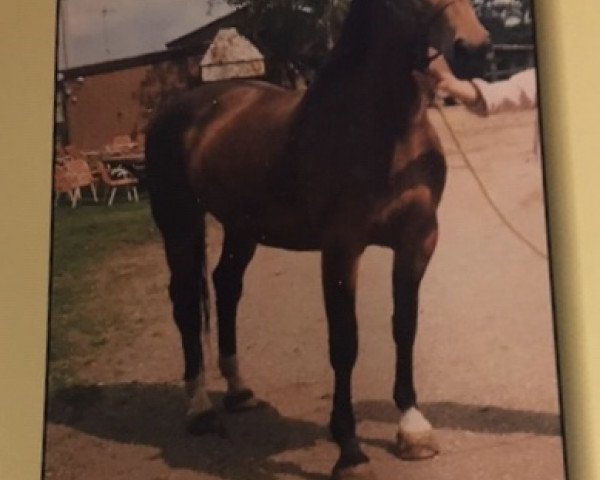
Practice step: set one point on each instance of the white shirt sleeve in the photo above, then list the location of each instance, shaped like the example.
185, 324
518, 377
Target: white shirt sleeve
519, 92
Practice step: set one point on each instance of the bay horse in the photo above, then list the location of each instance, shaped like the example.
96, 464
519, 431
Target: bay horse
350, 162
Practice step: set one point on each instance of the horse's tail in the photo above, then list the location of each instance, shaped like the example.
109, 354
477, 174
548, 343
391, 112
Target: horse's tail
175, 207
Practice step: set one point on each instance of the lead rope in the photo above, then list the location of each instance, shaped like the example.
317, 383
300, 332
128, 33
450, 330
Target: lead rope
484, 190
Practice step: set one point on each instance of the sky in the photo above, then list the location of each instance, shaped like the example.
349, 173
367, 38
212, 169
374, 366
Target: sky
93, 31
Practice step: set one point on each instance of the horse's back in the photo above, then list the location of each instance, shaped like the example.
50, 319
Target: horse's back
219, 102
220, 128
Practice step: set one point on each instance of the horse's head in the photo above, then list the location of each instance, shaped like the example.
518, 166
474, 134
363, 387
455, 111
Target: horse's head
413, 27
451, 27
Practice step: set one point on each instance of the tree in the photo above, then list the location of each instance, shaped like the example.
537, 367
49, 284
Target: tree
501, 9
293, 35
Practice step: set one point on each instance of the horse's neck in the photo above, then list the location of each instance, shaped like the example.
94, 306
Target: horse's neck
367, 84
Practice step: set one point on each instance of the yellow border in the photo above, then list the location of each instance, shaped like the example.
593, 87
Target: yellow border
26, 90
569, 46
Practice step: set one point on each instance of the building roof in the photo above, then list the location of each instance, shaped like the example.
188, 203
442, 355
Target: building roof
125, 63
231, 55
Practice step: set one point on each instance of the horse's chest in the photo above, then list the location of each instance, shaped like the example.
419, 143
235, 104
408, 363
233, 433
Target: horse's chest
401, 215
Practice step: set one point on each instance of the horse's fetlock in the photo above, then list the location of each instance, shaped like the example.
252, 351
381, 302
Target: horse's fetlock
228, 366
342, 428
404, 400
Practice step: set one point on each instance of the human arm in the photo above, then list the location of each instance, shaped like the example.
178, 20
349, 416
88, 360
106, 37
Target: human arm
486, 98
518, 92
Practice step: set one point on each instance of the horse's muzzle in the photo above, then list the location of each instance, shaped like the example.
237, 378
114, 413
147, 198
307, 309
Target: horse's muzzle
470, 61
479, 49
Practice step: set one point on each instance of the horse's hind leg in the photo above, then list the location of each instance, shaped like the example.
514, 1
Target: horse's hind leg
184, 248
228, 277
415, 434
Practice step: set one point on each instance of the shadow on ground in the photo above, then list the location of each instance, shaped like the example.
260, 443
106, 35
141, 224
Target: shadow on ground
152, 415
456, 416
472, 418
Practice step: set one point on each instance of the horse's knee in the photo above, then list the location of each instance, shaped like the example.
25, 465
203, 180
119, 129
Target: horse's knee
185, 297
343, 352
416, 241
424, 252
182, 289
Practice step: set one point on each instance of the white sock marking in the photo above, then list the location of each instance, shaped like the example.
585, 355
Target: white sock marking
199, 401
413, 421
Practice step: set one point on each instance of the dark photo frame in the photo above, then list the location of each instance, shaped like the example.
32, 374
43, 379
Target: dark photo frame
117, 397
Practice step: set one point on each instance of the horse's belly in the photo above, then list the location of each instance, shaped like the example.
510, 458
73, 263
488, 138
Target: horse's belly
250, 204
287, 230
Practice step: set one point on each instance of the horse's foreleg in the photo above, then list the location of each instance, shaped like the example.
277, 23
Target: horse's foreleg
415, 434
228, 278
184, 248
340, 264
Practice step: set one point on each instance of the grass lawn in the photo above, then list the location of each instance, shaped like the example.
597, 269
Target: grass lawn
83, 238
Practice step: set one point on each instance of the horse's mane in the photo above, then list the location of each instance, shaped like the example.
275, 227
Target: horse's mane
359, 28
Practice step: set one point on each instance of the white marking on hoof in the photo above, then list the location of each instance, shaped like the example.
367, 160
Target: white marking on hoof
199, 401
415, 436
231, 372
357, 472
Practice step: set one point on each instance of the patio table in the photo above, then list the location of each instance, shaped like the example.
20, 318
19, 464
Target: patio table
133, 162
123, 158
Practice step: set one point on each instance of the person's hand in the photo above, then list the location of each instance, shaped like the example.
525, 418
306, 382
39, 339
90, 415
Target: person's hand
448, 85
462, 90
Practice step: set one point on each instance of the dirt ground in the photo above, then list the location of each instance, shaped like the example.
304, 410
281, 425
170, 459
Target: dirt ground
485, 360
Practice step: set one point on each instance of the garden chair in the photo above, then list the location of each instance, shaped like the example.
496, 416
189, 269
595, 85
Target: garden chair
64, 182
129, 183
82, 173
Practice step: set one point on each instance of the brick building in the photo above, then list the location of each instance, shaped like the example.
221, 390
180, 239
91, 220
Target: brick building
97, 102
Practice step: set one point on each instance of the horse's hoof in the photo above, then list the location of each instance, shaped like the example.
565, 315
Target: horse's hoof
240, 401
361, 471
204, 423
417, 445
